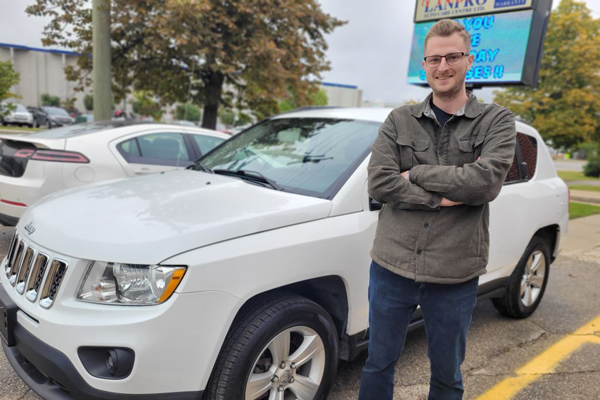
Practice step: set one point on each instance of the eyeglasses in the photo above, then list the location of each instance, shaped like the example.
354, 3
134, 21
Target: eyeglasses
451, 59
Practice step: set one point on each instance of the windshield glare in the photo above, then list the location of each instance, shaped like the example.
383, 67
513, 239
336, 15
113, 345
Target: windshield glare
56, 111
303, 155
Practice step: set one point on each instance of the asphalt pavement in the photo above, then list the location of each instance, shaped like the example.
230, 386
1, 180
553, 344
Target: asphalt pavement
498, 346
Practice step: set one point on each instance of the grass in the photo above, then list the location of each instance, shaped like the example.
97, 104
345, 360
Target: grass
575, 176
18, 129
579, 210
589, 188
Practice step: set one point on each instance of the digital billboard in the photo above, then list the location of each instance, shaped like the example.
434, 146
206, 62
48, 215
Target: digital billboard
507, 38
498, 42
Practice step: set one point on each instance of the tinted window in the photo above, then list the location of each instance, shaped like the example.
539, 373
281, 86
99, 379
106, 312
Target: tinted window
303, 155
207, 143
163, 145
156, 149
528, 152
131, 147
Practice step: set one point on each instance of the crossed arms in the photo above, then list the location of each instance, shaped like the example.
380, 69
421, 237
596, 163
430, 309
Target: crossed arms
433, 186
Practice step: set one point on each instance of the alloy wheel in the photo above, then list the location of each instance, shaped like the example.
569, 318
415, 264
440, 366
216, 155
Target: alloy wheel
533, 278
290, 367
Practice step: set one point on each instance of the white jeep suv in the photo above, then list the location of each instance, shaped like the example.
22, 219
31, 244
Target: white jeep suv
244, 276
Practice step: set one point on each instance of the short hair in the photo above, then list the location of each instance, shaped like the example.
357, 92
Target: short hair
445, 28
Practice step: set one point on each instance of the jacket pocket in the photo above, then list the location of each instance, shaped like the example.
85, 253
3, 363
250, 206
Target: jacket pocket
469, 147
412, 151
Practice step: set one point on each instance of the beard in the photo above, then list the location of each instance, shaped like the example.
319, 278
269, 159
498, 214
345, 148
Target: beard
449, 92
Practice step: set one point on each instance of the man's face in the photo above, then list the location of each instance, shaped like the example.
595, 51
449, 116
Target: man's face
447, 80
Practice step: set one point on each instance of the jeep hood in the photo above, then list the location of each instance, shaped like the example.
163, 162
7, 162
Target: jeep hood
148, 219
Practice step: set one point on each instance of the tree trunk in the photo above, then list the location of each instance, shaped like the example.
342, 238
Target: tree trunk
214, 87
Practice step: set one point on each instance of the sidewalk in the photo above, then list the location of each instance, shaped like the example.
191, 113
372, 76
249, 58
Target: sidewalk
585, 196
583, 235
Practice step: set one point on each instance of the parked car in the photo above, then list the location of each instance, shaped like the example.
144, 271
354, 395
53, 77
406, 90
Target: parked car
57, 117
40, 117
35, 165
243, 276
15, 115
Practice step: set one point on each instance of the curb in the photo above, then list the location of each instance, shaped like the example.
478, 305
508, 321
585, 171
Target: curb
585, 199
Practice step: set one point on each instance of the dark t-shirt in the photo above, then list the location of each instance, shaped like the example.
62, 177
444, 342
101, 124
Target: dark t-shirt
441, 115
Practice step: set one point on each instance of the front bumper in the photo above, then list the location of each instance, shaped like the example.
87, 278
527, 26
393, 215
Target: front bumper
175, 343
52, 376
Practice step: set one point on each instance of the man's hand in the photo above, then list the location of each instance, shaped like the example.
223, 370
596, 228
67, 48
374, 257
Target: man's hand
449, 203
404, 174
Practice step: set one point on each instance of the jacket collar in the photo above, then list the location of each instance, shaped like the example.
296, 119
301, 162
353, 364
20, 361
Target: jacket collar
472, 109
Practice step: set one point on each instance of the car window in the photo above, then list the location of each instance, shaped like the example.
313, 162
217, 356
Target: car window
207, 143
525, 151
310, 156
528, 147
20, 108
156, 149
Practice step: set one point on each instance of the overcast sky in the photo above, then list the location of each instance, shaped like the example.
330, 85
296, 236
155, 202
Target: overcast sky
370, 52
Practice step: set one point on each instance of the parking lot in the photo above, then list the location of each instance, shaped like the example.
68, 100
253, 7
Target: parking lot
568, 368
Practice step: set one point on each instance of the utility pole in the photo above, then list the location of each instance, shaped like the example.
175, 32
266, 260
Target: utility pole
101, 58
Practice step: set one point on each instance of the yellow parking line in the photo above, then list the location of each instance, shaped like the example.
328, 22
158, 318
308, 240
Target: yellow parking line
544, 363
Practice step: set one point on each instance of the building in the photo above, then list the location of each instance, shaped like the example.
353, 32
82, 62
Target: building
342, 95
41, 72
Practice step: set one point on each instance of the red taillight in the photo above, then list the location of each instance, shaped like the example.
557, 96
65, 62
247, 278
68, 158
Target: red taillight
24, 153
60, 156
13, 203
52, 155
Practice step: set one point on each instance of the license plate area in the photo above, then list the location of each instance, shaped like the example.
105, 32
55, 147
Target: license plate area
8, 318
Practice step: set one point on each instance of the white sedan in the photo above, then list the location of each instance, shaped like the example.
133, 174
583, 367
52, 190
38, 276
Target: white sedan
34, 165
17, 116
244, 276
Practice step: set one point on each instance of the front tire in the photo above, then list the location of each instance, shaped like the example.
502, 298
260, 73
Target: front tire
280, 348
528, 281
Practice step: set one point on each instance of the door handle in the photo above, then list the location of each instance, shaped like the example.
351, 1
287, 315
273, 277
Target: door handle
142, 171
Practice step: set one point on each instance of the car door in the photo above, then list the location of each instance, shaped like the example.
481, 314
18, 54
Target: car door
155, 152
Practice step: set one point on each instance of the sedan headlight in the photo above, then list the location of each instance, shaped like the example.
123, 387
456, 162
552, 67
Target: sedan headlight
131, 284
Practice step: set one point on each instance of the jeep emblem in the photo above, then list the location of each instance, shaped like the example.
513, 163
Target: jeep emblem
30, 228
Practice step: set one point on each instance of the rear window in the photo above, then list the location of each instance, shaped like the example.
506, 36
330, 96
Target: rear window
10, 163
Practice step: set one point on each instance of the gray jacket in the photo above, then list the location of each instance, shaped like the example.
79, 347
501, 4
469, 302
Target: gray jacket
416, 238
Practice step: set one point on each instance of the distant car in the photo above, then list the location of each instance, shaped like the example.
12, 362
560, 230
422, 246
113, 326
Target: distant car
57, 117
40, 117
16, 116
36, 164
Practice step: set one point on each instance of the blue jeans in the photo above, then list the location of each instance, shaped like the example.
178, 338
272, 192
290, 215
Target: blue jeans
447, 310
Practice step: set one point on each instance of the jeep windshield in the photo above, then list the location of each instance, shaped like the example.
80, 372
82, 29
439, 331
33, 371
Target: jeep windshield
309, 156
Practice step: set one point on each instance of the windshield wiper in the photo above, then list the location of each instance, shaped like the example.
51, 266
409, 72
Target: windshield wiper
250, 176
201, 166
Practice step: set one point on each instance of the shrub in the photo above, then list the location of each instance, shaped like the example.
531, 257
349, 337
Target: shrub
592, 168
88, 102
188, 112
51, 101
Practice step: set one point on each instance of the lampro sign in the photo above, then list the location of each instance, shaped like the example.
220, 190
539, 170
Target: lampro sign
507, 45
430, 10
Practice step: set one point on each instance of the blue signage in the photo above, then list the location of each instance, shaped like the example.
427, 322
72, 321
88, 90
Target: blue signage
498, 43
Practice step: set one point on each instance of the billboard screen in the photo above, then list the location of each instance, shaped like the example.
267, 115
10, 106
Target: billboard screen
499, 43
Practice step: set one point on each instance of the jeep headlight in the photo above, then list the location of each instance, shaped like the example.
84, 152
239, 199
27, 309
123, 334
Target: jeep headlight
131, 284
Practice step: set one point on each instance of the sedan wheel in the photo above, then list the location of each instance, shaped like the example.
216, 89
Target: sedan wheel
527, 282
281, 348
48, 125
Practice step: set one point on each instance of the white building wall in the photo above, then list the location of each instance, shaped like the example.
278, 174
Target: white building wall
42, 72
342, 95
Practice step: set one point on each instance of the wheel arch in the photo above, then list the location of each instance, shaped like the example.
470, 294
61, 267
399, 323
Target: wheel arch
550, 234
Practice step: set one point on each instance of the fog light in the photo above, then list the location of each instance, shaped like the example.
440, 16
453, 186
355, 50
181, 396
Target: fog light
107, 363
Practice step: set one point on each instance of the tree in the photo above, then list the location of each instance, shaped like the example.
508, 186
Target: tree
8, 78
234, 54
187, 112
143, 104
565, 107
292, 102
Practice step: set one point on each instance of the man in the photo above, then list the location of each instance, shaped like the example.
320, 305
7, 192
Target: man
434, 167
